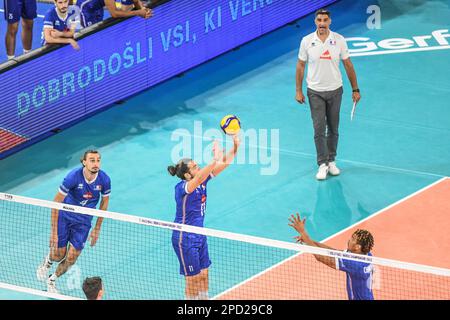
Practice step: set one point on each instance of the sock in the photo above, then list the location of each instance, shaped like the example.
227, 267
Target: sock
203, 295
10, 57
48, 261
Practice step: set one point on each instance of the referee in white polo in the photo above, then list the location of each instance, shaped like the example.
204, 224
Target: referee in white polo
323, 50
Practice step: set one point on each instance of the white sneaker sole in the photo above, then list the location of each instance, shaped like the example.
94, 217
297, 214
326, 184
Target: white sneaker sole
320, 178
41, 276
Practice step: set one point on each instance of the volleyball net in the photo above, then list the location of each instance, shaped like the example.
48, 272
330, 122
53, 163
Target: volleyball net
135, 258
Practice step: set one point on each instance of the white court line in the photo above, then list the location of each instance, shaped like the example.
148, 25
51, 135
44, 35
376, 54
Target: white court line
331, 237
37, 292
39, 15
374, 53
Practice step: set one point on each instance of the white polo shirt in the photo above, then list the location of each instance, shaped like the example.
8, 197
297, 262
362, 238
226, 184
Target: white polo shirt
323, 60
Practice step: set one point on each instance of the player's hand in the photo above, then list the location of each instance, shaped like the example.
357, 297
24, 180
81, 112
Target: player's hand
356, 96
74, 44
300, 97
149, 13
142, 13
297, 224
299, 239
54, 241
94, 236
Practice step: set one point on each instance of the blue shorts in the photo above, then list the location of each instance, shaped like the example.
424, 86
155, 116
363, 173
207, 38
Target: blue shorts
126, 2
90, 16
192, 253
73, 232
14, 9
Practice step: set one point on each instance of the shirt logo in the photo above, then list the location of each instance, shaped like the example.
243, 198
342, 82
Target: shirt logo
203, 198
80, 186
88, 195
98, 188
333, 42
56, 23
326, 55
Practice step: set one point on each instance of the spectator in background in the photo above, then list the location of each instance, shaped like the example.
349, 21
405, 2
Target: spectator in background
14, 10
58, 28
92, 11
93, 288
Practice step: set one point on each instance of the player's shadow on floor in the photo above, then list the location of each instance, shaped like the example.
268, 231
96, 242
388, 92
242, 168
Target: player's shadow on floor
332, 209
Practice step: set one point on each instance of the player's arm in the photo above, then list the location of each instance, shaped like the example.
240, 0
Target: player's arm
64, 34
103, 206
51, 37
321, 245
54, 221
115, 13
205, 172
351, 74
201, 176
299, 75
300, 72
96, 231
350, 70
299, 226
228, 158
329, 261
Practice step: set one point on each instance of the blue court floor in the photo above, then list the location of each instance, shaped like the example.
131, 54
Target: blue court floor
397, 143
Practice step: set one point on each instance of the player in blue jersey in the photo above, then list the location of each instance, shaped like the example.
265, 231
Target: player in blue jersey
127, 5
92, 11
359, 273
190, 196
14, 10
69, 231
59, 27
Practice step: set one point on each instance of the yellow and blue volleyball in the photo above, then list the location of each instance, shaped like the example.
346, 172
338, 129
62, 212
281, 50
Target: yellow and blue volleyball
230, 124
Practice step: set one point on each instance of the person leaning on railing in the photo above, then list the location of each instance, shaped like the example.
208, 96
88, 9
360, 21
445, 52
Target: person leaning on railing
92, 11
58, 28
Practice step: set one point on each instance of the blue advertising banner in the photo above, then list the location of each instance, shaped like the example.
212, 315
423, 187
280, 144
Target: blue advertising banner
64, 85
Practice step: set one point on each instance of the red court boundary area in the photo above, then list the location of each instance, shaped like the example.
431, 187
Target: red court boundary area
415, 229
9, 140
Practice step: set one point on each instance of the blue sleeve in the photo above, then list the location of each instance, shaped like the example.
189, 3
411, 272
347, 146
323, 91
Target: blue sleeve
106, 188
69, 183
49, 19
355, 268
